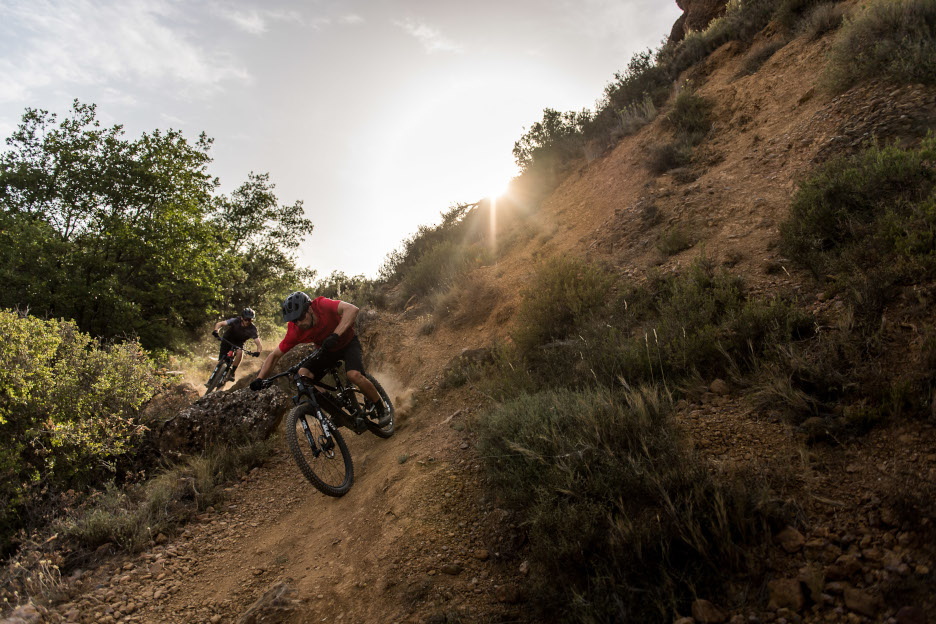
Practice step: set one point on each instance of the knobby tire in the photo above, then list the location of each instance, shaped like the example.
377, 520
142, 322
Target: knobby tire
387, 430
217, 377
296, 440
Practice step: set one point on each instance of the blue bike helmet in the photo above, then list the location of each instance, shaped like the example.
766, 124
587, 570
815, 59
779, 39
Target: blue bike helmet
248, 314
295, 306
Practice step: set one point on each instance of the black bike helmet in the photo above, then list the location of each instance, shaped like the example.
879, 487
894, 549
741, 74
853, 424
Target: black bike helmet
248, 314
295, 306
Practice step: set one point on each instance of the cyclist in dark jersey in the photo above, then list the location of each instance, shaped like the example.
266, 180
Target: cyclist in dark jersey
329, 324
240, 328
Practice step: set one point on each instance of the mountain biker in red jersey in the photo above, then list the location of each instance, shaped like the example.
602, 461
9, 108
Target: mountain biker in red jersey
240, 328
329, 324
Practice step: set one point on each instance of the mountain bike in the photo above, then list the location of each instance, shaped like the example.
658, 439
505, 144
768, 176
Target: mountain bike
312, 426
225, 369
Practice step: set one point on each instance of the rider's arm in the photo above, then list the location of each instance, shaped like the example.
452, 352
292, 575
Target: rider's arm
259, 345
269, 363
348, 312
219, 325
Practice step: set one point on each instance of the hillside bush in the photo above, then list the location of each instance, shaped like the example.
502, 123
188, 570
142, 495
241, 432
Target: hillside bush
561, 295
68, 407
824, 18
625, 522
758, 56
691, 116
670, 330
890, 39
872, 211
132, 517
865, 225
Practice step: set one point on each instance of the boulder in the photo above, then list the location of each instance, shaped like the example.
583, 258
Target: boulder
697, 15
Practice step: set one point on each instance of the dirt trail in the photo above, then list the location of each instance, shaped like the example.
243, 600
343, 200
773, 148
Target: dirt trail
407, 543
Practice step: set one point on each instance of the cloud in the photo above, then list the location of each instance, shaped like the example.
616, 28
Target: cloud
256, 21
88, 42
630, 23
430, 38
351, 18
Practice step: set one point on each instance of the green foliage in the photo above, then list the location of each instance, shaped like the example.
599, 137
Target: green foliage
890, 39
132, 517
68, 407
562, 293
760, 55
669, 330
674, 240
663, 157
866, 226
552, 141
357, 289
868, 212
824, 18
691, 116
625, 522
128, 238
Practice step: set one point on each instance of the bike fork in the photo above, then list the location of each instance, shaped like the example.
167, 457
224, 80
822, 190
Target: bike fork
325, 442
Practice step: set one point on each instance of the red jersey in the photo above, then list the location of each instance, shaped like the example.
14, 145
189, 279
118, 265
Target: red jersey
326, 311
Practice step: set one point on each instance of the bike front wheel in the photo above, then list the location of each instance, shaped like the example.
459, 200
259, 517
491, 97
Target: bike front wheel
217, 377
323, 459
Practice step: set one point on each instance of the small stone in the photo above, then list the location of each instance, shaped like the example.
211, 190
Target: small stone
790, 539
844, 567
451, 569
910, 615
481, 554
785, 593
215, 619
861, 602
525, 568
719, 387
707, 613
685, 620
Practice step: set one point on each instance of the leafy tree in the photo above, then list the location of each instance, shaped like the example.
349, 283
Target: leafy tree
262, 239
552, 140
128, 237
110, 232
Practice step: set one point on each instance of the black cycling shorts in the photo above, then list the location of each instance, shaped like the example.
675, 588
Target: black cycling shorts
352, 354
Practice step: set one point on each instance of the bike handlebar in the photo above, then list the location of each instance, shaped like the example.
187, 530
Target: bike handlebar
295, 369
252, 353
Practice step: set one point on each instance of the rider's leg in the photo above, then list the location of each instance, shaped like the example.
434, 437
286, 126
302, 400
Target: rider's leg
237, 359
358, 379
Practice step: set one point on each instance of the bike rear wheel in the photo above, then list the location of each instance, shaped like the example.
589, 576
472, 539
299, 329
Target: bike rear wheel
387, 430
329, 469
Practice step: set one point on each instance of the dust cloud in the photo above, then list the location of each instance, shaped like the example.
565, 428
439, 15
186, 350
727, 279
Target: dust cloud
400, 395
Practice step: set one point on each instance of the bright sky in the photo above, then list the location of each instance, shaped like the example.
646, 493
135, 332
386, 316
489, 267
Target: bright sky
378, 114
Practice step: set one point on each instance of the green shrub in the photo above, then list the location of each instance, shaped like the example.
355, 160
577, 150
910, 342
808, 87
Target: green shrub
440, 266
691, 116
868, 212
663, 157
822, 19
890, 39
131, 517
560, 296
760, 55
67, 410
668, 330
674, 240
625, 522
